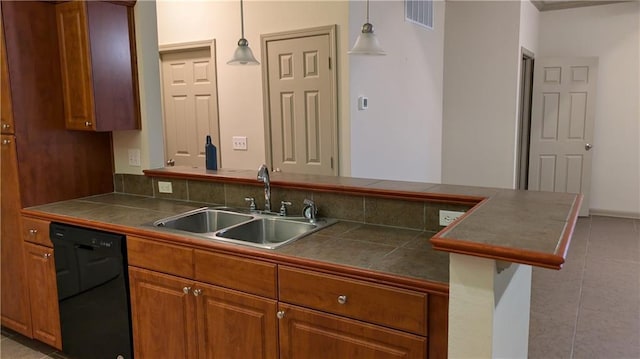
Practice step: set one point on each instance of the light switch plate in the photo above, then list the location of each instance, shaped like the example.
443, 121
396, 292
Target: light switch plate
134, 157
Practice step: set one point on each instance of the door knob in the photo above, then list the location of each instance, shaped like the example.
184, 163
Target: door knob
588, 146
342, 299
171, 162
87, 124
280, 314
186, 290
6, 142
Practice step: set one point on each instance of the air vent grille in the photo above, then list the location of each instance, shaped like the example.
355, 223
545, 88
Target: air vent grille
419, 12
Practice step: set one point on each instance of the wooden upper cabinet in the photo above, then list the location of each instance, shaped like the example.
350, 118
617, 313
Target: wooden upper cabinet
6, 117
98, 65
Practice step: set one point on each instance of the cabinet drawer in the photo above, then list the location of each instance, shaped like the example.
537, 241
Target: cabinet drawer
392, 307
242, 274
36, 231
161, 257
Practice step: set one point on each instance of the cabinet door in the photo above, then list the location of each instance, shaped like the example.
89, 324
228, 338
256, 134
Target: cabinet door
307, 334
75, 63
14, 292
235, 325
43, 294
163, 315
6, 110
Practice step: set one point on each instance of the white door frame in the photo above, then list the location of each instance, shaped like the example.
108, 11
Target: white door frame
329, 30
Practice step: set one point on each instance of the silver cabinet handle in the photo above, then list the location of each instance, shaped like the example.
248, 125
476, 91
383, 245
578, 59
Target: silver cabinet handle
197, 292
6, 126
186, 290
342, 299
6, 142
33, 232
171, 162
87, 124
588, 146
280, 314
46, 255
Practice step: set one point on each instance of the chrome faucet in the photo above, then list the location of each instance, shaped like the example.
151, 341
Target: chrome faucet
263, 176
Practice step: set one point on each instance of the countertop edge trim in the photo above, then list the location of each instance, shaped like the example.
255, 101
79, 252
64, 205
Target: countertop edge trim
499, 253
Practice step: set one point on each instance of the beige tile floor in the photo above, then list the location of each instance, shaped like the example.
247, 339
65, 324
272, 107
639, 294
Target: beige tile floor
589, 309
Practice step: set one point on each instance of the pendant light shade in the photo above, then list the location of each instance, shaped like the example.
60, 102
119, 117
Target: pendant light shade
243, 54
367, 43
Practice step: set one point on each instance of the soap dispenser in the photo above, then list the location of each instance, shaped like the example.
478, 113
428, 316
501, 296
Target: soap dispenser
211, 156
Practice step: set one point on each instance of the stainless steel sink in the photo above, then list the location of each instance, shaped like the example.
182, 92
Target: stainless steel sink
267, 232
256, 229
203, 220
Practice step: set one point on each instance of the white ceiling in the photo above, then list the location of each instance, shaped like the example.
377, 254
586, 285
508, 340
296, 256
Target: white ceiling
548, 5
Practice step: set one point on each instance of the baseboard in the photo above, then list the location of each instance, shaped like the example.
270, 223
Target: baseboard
610, 213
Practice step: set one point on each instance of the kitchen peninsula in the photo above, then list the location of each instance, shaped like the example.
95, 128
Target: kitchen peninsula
388, 241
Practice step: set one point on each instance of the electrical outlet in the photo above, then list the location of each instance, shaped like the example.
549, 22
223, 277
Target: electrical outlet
446, 217
239, 143
165, 187
134, 157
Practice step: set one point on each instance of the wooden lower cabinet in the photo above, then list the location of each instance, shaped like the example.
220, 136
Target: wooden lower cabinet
309, 334
180, 318
43, 294
16, 314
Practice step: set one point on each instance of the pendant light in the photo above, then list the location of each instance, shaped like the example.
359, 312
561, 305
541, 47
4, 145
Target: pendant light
367, 42
243, 54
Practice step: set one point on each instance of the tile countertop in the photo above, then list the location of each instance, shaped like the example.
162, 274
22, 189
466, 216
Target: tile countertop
528, 227
392, 251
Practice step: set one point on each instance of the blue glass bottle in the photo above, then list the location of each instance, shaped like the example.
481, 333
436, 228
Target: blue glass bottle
211, 155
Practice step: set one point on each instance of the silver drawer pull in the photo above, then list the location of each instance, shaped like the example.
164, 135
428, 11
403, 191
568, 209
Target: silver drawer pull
33, 232
6, 142
197, 292
46, 255
342, 299
186, 290
87, 124
6, 126
280, 314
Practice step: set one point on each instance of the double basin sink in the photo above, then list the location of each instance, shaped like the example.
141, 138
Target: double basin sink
263, 230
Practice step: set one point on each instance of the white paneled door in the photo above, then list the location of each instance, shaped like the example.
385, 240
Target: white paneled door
562, 121
301, 99
190, 102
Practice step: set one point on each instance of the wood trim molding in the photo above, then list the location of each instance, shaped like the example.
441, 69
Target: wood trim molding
191, 45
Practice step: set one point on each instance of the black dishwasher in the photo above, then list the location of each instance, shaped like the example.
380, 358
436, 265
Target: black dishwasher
93, 292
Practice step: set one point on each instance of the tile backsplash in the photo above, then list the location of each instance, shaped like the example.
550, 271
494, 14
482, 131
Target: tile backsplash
412, 214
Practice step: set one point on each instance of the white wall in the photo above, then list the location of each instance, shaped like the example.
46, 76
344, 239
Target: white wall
481, 57
150, 140
612, 33
400, 136
240, 87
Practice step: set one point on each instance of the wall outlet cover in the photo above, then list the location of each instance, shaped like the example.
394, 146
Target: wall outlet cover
165, 187
239, 143
446, 217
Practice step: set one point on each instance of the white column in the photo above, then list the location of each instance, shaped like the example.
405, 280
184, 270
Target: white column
488, 311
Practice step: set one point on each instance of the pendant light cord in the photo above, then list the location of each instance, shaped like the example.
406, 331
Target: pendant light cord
367, 10
242, 18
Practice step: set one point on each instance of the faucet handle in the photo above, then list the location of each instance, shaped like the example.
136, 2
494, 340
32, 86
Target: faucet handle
252, 203
283, 207
310, 210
